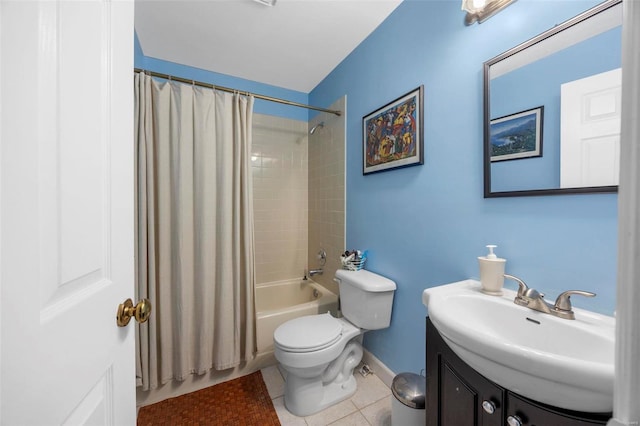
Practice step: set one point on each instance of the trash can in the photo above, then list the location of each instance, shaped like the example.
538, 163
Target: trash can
408, 404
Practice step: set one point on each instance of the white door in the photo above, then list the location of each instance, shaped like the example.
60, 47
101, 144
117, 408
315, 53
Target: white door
66, 186
590, 131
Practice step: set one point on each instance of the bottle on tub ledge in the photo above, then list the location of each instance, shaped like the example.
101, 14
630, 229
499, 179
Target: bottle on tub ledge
491, 272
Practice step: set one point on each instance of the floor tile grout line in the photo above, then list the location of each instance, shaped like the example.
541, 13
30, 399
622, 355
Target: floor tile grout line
358, 409
350, 414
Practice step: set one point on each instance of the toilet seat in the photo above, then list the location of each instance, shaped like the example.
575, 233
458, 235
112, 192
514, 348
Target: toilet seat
308, 333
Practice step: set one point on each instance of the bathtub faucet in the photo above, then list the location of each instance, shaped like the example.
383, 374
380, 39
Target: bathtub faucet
313, 272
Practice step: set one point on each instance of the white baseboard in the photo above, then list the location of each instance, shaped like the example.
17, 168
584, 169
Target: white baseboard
382, 371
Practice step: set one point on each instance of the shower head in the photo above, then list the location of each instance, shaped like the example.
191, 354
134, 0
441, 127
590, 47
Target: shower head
316, 127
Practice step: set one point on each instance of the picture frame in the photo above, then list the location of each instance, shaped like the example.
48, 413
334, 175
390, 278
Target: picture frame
517, 136
393, 134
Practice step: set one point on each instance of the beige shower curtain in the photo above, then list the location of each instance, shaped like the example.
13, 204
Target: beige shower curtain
195, 250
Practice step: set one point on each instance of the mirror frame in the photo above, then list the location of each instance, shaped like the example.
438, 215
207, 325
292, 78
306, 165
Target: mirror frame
487, 114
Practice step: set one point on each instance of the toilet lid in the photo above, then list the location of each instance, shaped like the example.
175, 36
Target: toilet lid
308, 333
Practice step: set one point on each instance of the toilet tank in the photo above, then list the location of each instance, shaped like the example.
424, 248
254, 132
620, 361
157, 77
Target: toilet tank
366, 298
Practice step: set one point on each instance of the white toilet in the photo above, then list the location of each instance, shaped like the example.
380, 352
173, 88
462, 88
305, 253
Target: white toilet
319, 352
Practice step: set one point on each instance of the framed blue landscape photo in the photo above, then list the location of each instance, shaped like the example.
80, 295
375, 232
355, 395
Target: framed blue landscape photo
517, 136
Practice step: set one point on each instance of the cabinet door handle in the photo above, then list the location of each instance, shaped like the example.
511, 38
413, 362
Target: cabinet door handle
514, 421
489, 407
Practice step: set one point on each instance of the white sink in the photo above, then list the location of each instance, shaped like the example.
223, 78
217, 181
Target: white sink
564, 363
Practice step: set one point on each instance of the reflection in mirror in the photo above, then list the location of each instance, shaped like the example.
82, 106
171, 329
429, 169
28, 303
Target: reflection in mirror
552, 109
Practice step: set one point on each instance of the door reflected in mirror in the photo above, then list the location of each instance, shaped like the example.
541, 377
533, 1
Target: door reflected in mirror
552, 109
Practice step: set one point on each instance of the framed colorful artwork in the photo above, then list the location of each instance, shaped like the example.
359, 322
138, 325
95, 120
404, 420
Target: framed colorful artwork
393, 134
517, 136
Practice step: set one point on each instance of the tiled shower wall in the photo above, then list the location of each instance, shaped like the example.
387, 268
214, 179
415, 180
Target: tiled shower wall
327, 193
299, 195
280, 194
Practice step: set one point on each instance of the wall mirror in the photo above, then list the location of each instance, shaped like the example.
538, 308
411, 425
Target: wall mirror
552, 109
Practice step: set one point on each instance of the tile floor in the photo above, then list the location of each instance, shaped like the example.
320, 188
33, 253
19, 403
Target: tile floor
369, 406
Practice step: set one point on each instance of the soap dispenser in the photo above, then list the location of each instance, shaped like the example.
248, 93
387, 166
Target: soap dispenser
491, 272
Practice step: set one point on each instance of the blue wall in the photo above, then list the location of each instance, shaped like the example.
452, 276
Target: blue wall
426, 225
260, 106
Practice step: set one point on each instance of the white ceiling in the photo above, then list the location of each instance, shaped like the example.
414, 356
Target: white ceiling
294, 44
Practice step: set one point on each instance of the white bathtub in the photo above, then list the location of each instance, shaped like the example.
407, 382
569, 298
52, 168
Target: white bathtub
280, 301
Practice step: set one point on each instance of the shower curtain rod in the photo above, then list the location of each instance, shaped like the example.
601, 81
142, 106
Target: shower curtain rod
227, 89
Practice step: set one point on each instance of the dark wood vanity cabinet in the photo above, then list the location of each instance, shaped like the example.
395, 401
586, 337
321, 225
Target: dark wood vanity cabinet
456, 392
457, 395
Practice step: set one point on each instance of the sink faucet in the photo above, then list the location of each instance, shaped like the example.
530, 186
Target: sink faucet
533, 299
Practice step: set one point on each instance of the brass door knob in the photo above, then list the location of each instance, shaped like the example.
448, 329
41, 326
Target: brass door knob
141, 312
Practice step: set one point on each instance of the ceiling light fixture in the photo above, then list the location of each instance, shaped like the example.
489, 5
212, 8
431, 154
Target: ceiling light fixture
481, 10
266, 2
